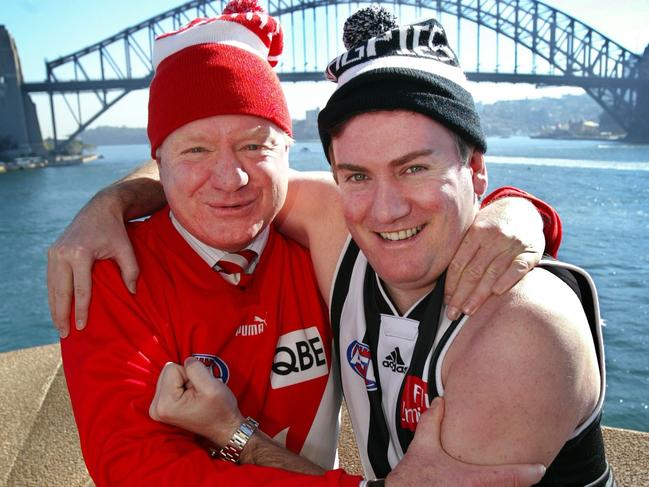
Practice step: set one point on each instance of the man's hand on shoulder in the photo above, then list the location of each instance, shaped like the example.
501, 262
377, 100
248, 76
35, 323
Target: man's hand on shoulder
503, 244
426, 462
97, 232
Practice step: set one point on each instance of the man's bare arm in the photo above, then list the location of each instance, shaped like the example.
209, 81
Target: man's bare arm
98, 232
313, 216
178, 403
425, 462
263, 450
139, 192
504, 243
521, 375
191, 398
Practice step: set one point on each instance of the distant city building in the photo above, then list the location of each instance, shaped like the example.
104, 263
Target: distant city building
307, 129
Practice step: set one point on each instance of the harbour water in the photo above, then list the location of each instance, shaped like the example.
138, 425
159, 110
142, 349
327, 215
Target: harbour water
601, 190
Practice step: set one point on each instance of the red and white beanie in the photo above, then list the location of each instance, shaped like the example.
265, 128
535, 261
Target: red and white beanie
217, 66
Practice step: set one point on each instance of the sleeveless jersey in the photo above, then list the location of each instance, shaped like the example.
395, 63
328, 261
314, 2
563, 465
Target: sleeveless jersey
391, 368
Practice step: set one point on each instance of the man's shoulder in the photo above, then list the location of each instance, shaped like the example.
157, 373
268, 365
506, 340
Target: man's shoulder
156, 237
282, 245
158, 223
527, 358
152, 240
278, 238
544, 297
537, 328
539, 314
541, 297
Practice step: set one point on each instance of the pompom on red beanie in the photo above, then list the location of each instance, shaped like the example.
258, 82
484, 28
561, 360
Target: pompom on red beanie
217, 66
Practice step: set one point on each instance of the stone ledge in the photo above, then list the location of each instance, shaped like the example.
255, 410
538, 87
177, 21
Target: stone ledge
39, 444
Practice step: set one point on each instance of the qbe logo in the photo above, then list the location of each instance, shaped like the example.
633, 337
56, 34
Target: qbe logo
300, 356
216, 366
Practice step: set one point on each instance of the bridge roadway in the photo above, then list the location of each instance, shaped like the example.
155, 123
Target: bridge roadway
537, 79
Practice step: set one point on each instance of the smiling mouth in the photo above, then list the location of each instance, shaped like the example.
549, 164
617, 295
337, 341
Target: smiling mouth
231, 206
401, 234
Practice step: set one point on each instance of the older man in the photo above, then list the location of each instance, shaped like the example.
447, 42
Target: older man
523, 377
219, 129
219, 286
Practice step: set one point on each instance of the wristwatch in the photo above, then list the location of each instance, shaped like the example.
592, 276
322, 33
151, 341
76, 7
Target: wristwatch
232, 451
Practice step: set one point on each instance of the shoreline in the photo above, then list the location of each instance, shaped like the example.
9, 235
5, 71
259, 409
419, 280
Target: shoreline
37, 162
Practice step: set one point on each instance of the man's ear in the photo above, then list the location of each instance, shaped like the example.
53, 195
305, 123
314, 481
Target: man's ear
478, 173
158, 163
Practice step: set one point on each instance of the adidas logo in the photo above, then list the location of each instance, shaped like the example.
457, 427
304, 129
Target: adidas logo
395, 362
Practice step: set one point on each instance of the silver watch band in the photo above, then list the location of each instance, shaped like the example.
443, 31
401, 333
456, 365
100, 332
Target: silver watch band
232, 451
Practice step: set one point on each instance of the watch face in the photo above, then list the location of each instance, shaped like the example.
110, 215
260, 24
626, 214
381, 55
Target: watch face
247, 429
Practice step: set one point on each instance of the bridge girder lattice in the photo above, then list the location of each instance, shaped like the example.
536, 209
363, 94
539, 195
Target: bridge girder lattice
572, 53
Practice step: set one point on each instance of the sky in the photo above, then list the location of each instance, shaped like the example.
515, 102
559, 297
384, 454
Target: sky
47, 29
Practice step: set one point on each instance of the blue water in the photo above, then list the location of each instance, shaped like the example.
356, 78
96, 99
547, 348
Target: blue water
601, 190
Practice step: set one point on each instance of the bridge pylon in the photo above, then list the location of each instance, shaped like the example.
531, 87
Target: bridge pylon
20, 133
639, 128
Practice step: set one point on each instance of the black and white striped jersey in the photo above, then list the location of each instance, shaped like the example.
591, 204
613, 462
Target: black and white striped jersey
390, 366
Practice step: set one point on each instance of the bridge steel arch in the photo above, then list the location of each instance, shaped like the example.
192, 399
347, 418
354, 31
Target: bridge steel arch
613, 76
616, 78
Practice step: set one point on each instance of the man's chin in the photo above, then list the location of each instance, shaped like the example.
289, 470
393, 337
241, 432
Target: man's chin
405, 274
234, 241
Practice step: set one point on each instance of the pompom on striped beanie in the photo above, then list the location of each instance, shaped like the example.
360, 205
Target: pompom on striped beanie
392, 67
217, 66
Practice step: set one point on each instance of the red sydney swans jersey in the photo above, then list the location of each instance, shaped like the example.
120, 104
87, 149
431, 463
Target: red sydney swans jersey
269, 341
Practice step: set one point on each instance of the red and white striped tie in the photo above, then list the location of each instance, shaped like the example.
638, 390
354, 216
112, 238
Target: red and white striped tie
233, 266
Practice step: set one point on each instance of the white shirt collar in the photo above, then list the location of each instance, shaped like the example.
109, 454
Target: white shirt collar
212, 255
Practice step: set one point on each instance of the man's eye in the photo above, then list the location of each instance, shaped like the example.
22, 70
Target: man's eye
254, 147
415, 169
194, 150
356, 177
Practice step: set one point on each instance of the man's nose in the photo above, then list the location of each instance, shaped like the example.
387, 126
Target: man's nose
229, 175
389, 203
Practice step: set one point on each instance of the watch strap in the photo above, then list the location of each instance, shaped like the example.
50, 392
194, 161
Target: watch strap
231, 452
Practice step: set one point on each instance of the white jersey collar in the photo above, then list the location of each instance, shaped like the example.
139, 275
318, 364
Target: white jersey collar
212, 255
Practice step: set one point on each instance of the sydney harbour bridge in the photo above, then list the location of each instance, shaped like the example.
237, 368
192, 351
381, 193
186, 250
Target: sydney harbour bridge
516, 41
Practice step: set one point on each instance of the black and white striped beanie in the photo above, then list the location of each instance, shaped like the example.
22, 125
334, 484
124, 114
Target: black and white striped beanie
391, 67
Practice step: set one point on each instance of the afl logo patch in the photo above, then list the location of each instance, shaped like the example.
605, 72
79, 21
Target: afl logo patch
217, 366
360, 360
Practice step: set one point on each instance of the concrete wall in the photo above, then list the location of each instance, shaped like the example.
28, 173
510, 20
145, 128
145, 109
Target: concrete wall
18, 120
39, 442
